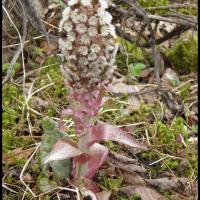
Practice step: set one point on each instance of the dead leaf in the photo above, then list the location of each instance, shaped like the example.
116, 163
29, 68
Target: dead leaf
48, 48
128, 167
27, 177
150, 97
123, 158
40, 59
38, 102
135, 103
109, 171
185, 185
13, 156
145, 192
132, 168
133, 178
165, 183
86, 184
122, 88
104, 195
133, 150
170, 78
145, 72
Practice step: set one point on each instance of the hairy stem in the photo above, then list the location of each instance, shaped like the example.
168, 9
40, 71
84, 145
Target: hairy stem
81, 168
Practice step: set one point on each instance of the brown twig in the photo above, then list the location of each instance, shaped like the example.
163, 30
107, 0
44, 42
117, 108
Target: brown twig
176, 31
174, 20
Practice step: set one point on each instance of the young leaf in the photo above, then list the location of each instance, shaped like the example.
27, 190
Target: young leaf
62, 150
103, 131
98, 156
46, 185
136, 68
61, 168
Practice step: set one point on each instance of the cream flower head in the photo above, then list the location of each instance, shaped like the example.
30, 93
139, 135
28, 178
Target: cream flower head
87, 43
92, 31
86, 2
83, 50
81, 28
72, 2
104, 17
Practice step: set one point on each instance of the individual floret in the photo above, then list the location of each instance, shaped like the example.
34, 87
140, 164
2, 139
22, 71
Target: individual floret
86, 2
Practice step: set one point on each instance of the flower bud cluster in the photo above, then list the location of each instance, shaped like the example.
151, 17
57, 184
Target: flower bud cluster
87, 43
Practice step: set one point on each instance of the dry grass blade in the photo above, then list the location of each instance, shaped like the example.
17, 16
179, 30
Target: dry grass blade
20, 48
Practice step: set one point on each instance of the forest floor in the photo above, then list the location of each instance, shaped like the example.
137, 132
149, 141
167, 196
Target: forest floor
169, 126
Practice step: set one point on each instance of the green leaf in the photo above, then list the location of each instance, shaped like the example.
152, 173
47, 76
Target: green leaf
136, 68
62, 168
46, 185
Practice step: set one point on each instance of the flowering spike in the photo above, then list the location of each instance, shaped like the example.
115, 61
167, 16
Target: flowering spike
88, 47
88, 38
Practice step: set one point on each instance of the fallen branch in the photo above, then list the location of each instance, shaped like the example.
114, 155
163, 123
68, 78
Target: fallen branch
174, 20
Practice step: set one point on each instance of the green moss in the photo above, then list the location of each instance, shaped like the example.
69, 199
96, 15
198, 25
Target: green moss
170, 164
185, 91
8, 140
135, 197
167, 134
16, 67
110, 183
9, 118
188, 11
12, 118
184, 55
192, 169
154, 3
112, 146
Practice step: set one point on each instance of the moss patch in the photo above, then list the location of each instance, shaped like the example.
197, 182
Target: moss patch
184, 56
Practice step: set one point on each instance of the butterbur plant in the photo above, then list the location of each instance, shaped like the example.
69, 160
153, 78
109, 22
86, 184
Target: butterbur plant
88, 47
